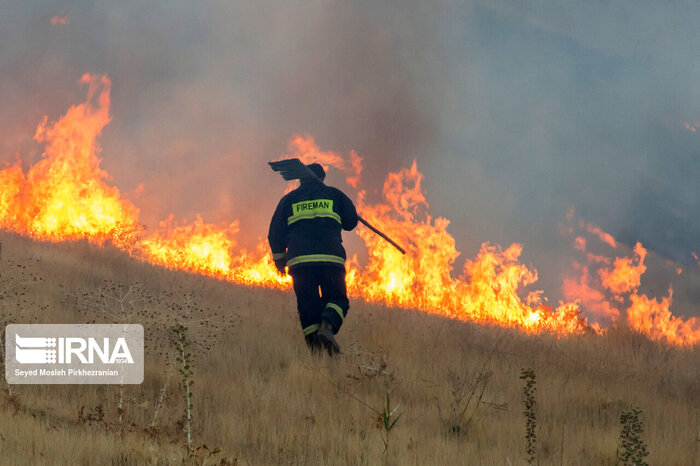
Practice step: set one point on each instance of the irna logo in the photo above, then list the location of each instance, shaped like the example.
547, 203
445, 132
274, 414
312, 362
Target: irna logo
74, 353
50, 350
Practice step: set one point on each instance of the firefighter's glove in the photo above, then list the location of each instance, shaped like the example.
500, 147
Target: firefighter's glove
281, 264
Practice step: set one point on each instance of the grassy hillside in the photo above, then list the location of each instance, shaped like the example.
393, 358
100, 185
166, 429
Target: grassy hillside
263, 399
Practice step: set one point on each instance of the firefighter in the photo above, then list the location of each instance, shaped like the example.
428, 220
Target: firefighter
305, 237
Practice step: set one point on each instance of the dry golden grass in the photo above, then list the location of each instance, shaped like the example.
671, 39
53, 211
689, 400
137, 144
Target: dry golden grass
262, 398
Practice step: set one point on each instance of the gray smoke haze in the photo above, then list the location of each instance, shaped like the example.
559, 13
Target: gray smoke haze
515, 114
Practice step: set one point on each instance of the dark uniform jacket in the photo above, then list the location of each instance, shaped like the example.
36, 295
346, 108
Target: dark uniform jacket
305, 228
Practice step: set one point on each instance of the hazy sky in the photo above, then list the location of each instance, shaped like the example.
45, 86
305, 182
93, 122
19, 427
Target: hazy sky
515, 114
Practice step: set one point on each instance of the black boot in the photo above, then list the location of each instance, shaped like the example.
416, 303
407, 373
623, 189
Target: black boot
327, 339
313, 343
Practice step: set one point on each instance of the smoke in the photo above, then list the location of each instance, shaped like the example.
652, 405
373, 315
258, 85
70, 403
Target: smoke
515, 113
577, 105
205, 93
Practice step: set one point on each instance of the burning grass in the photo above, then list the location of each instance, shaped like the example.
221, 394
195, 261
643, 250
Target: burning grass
66, 197
263, 399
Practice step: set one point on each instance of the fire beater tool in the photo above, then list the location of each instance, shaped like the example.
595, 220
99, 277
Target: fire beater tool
294, 169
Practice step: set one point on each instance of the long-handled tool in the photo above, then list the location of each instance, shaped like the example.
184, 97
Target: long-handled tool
294, 169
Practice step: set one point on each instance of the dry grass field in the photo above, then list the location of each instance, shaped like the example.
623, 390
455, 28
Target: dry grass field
260, 397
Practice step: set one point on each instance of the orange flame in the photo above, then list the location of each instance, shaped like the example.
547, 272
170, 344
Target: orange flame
65, 197
603, 236
653, 318
304, 147
626, 273
59, 20
618, 289
209, 250
585, 292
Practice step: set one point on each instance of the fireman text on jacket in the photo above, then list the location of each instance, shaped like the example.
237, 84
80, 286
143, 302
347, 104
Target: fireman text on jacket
313, 209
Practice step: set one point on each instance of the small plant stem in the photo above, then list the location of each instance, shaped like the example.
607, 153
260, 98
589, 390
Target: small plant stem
184, 359
120, 407
161, 397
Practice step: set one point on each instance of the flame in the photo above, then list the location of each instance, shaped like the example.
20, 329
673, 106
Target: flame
198, 246
304, 147
59, 20
625, 275
652, 317
587, 294
607, 238
208, 249
65, 196
615, 294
